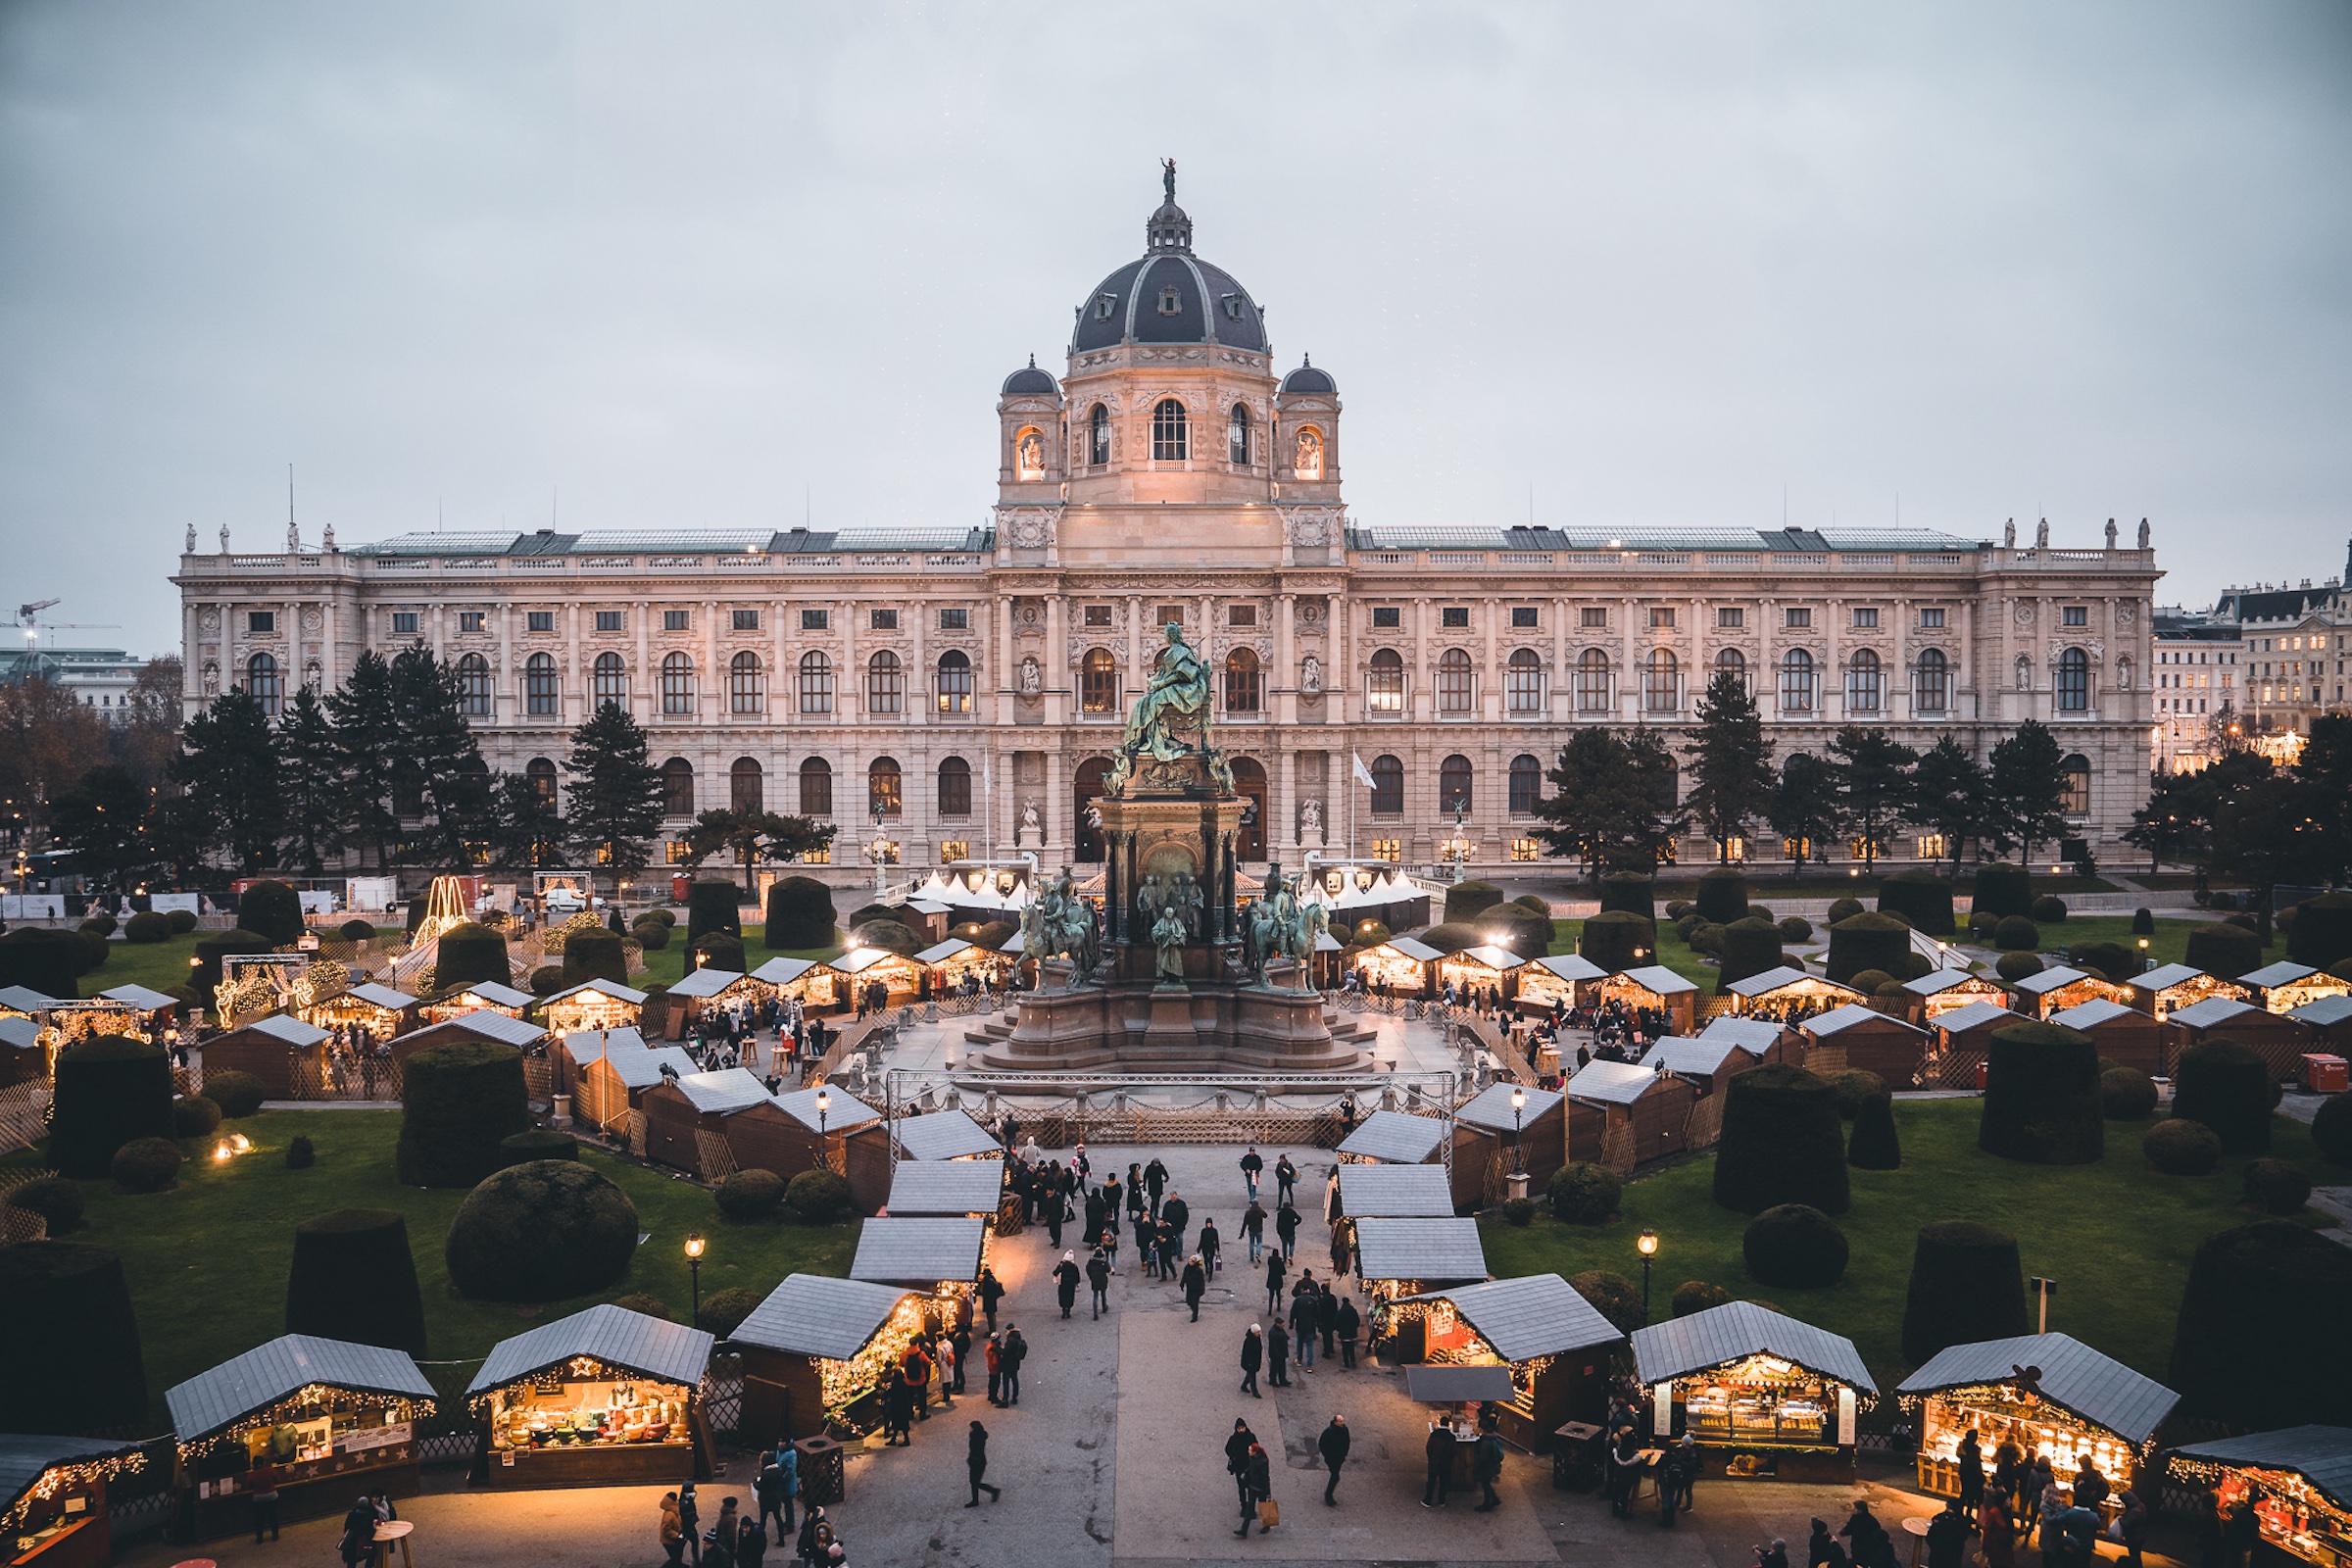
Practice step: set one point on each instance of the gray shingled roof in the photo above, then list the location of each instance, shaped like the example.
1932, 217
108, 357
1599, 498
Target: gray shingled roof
1840, 1019
2285, 972
918, 1251
1737, 1330
1446, 1384
642, 1069
1755, 1034
722, 1093
381, 996
2094, 1013
650, 1347
140, 997
1572, 966
2324, 1013
1490, 1106
1614, 1083
1978, 1013
1395, 1192
1419, 952
944, 1135
1928, 985
491, 991
942, 952
2097, 1388
267, 1374
1695, 1059
25, 1459
1397, 1136
603, 988
1419, 1249
2320, 1455
2171, 974
488, 1025
783, 971
1755, 985
815, 1314
1530, 1315
2211, 1012
1660, 979
585, 1046
2055, 977
843, 1110
697, 984
25, 999
940, 1186
21, 1033
286, 1027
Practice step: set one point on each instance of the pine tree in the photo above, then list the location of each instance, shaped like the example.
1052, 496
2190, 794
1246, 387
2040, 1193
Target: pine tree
2029, 787
619, 797
752, 836
1731, 764
104, 822
1873, 771
1611, 801
229, 769
440, 764
1804, 808
311, 778
1950, 794
367, 744
526, 829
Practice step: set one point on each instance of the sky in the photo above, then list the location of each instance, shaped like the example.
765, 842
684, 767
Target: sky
478, 266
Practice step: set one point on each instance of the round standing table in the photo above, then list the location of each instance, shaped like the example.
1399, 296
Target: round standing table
389, 1531
1917, 1528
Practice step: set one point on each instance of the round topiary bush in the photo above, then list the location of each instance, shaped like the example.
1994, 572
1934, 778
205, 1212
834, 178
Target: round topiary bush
2321, 933
355, 932
51, 963
1467, 900
1852, 1088
1688, 922
1370, 934
1795, 928
355, 1279
2226, 951
1966, 1288
469, 955
147, 1164
2049, 909
2179, 1148
2003, 889
1866, 941
2016, 934
2042, 1096
300, 1154
1920, 899
723, 1311
547, 980
539, 1143
2228, 1088
2016, 966
110, 1090
875, 912
1844, 909
1519, 1212
750, 1195
1524, 932
1793, 1244
1869, 981
1676, 909
1632, 892
2332, 1129
1613, 1295
97, 945
1782, 1143
651, 935
215, 946
2277, 1186
1705, 938
274, 909
1618, 940
649, 1306
2126, 1094
541, 1232
1763, 913
55, 1199
713, 907
2254, 1293
1875, 1144
2109, 960
892, 936
1697, 1295
1584, 1193
1534, 904
146, 927
594, 955
715, 950
1749, 948
237, 1094
1723, 895
1450, 937
194, 1116
182, 921
69, 1300
817, 1197
458, 1102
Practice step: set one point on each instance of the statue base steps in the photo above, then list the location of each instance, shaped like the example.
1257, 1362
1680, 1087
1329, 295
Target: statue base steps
1165, 1027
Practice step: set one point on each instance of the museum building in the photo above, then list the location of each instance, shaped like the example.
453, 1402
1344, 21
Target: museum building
943, 692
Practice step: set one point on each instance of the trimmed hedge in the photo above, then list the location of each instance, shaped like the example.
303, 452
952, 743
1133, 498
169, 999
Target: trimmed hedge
2254, 1294
713, 907
2277, 1186
2179, 1148
715, 950
146, 927
1870, 981
1585, 1193
1723, 895
357, 931
1611, 939
274, 909
541, 1232
1921, 898
594, 955
57, 1199
1749, 947
111, 1090
1632, 892
1450, 937
1795, 928
51, 963
1467, 900
2110, 961
2049, 909
723, 1311
101, 923
2226, 951
2332, 1129
893, 936
750, 1195
2228, 1088
1518, 928
147, 1164
1697, 1295
182, 921
1967, 1286
215, 946
1844, 909
1852, 1089
649, 1306
2321, 933
1793, 1244
2042, 1096
651, 935
469, 955
1875, 1144
547, 980
1761, 912
539, 1143
1676, 909
237, 1094
194, 1116
2126, 1094
354, 1278
1782, 1143
2016, 966
799, 913
2143, 923
2016, 934
817, 1197
1867, 941
2003, 889
69, 1300
299, 1156
1613, 1295
459, 1102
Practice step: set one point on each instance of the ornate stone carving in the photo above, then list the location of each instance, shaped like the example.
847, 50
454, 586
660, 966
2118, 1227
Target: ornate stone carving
2025, 612
1311, 526
2127, 611
208, 620
1310, 674
311, 620
1027, 528
1033, 676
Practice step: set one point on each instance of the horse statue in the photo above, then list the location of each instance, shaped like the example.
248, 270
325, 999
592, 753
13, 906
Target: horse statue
1313, 921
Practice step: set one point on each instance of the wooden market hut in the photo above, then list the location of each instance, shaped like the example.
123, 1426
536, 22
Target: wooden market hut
483, 996
950, 1133
156, 1011
1962, 1037
282, 1050
947, 1189
1395, 1138
1759, 1037
2280, 1042
2160, 993
861, 969
1555, 1342
574, 1051
1654, 988
1491, 1141
1710, 1062
333, 1416
1625, 1115
1474, 970
940, 1257
1786, 994
948, 964
22, 1002
598, 1003
382, 1011
700, 991
2284, 986
53, 1510
1400, 966
802, 980
2048, 1392
1369, 1191
1948, 991
687, 1119
2329, 1020
2059, 987
2126, 1036
606, 1397
1557, 981
815, 1350
1757, 1388
2298, 1479
469, 1026
1397, 1257
617, 1071
788, 1135
23, 1056
1855, 1037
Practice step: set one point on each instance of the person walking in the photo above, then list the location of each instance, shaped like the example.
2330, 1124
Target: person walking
1286, 1180
720, 1547
1327, 1320
1155, 1182
896, 1415
943, 1358
1252, 1167
975, 1464
776, 1485
1303, 1301
918, 1366
1050, 1195
1016, 1350
2131, 1527
1135, 1190
673, 1530
689, 1520
1238, 1444
1486, 1468
996, 1371
1098, 1278
992, 1290
1274, 1272
1065, 1280
1996, 1530
1437, 1457
1947, 1538
1970, 1461
1333, 1445
1195, 1284
751, 1546
1351, 1323
1286, 1226
1257, 1489
962, 1339
1253, 1354
1176, 1214
1210, 1246
1278, 1355
262, 1479
1147, 1242
1253, 1228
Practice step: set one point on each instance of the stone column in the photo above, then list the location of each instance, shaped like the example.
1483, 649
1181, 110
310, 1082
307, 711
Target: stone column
1559, 697
1490, 680
1002, 710
1629, 701
1283, 678
1768, 675
574, 685
923, 694
1833, 679
1057, 669
1901, 675
645, 687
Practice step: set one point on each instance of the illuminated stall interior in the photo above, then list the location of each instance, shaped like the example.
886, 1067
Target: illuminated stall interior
156, 1010
860, 967
1399, 1257
67, 1024
603, 1397
2300, 1479
1951, 990
483, 996
2286, 986
1787, 994
816, 1350
1754, 1387
1401, 964
954, 962
2059, 987
2161, 992
1559, 981
53, 1498
1555, 1344
598, 1003
2049, 1393
1658, 989
700, 991
802, 980
379, 1009
1477, 969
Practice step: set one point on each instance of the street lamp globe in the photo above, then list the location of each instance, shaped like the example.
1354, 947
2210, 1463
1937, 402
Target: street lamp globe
1647, 1242
695, 1243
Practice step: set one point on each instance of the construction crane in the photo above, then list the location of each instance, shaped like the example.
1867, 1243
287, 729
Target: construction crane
28, 619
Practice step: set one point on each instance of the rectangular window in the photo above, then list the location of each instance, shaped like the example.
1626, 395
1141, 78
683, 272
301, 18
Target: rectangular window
1169, 615
1798, 619
884, 620
609, 620
1866, 619
745, 619
677, 621
1527, 850
1388, 849
1523, 618
953, 849
470, 619
821, 856
1931, 620
1388, 617
2074, 616
676, 852
1929, 846
1736, 846
1729, 618
1240, 614
815, 619
954, 619
539, 620
1454, 616
261, 620
1595, 618
1661, 618
404, 621
1098, 614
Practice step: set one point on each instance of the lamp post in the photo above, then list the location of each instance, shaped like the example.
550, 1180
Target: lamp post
874, 851
824, 1103
1648, 1244
694, 1267
2143, 955
1518, 1129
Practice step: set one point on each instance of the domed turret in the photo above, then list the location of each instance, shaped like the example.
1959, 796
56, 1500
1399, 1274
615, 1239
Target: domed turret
1306, 378
1170, 295
1029, 379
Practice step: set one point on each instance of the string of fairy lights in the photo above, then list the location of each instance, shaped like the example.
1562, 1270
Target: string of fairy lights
314, 1398
70, 1475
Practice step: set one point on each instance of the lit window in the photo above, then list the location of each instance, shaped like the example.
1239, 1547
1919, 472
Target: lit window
953, 849
469, 619
955, 683
2074, 785
1384, 684
884, 791
1929, 846
1098, 682
1388, 849
1526, 850
677, 851
542, 774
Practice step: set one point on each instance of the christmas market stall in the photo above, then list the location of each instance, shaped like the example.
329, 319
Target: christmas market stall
1559, 981
1473, 971
467, 1028
802, 980
1503, 1128
156, 1011
1624, 1115
2049, 1393
944, 1135
598, 1003
1655, 989
23, 1056
2330, 1021
22, 1002
687, 1117
2126, 1036
809, 1128
1855, 1037
940, 1257
2161, 992
2284, 986
483, 996
1395, 1138
1398, 967
1787, 994
953, 964
815, 1351
1708, 1064
1765, 1396
947, 1189
606, 1397
700, 991
2059, 987
287, 1055
379, 1009
1369, 1191
1555, 1344
2298, 1481
611, 1070
858, 970
53, 1498
1399, 1257
2280, 1042
1962, 1039
67, 1024
329, 1418
1948, 991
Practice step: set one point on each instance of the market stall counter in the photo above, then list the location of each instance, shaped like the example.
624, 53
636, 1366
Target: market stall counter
2161, 992
1559, 981
816, 1350
1654, 988
379, 1009
483, 996
2298, 1480
2059, 987
1399, 1257
1766, 1396
2284, 986
1553, 1344
2049, 1393
1398, 967
328, 1418
1788, 994
598, 1003
603, 1397
53, 1499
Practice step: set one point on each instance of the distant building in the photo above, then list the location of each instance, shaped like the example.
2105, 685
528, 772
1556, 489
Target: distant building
2295, 653
100, 678
2199, 689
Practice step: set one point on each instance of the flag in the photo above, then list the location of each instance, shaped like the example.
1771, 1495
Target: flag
1363, 774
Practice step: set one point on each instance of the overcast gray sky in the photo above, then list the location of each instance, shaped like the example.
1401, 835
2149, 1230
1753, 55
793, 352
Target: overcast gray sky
708, 264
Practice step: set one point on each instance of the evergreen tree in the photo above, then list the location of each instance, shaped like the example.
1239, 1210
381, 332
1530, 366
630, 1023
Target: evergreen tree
103, 821
752, 836
1611, 802
1731, 764
2029, 787
526, 830
2267, 830
1804, 808
1873, 771
2171, 824
619, 797
1950, 794
2326, 765
439, 767
310, 779
229, 769
367, 743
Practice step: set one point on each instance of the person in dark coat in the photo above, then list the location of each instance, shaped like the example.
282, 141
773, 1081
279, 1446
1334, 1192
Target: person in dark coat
1155, 1182
1285, 1179
1276, 1266
1286, 1227
2133, 1526
1326, 1319
1947, 1538
1209, 1244
1252, 1167
1135, 1189
690, 1519
1253, 1354
357, 1543
1257, 1484
1871, 1547
1821, 1549
750, 1544
1486, 1468
975, 1464
1016, 1351
1338, 1251
816, 1533
1050, 1196
1625, 1466
1278, 1355
1175, 1215
1333, 1445
1437, 1456
1147, 1242
992, 1290
1253, 1228
1098, 1279
898, 1410
2090, 1487
1774, 1556
1195, 1284
1351, 1322
1237, 1460
1971, 1461
1065, 1282
960, 1342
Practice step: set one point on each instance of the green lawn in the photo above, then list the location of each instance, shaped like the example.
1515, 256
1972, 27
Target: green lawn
1765, 883
2117, 1235
2169, 944
158, 965
668, 965
207, 1260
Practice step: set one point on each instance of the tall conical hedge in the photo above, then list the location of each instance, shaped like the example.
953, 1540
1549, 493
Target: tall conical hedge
2003, 889
457, 1103
469, 955
1617, 940
73, 1341
713, 907
1966, 1287
1749, 947
1723, 895
594, 955
1868, 941
2223, 950
2321, 932
274, 909
1630, 892
799, 913
111, 1091
1782, 1143
2260, 1341
2230, 1089
1920, 897
2042, 1096
1875, 1144
354, 1279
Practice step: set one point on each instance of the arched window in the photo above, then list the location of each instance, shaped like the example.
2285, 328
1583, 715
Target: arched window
539, 685
1236, 437
745, 785
1085, 796
1245, 682
608, 679
1932, 692
955, 787
817, 787
885, 789
264, 682
1098, 682
2074, 681
473, 686
1097, 435
677, 684
1523, 682
1029, 455
1865, 682
1384, 689
677, 787
1455, 681
1170, 441
1593, 682
1250, 783
1733, 662
816, 684
1387, 786
1527, 785
542, 774
746, 690
955, 682
1453, 784
2074, 785
1796, 681
1661, 682
885, 685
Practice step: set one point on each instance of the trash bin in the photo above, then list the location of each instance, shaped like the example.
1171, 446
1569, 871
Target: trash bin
823, 1478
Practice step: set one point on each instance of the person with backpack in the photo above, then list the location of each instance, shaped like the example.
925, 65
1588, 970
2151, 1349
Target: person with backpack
1098, 1279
